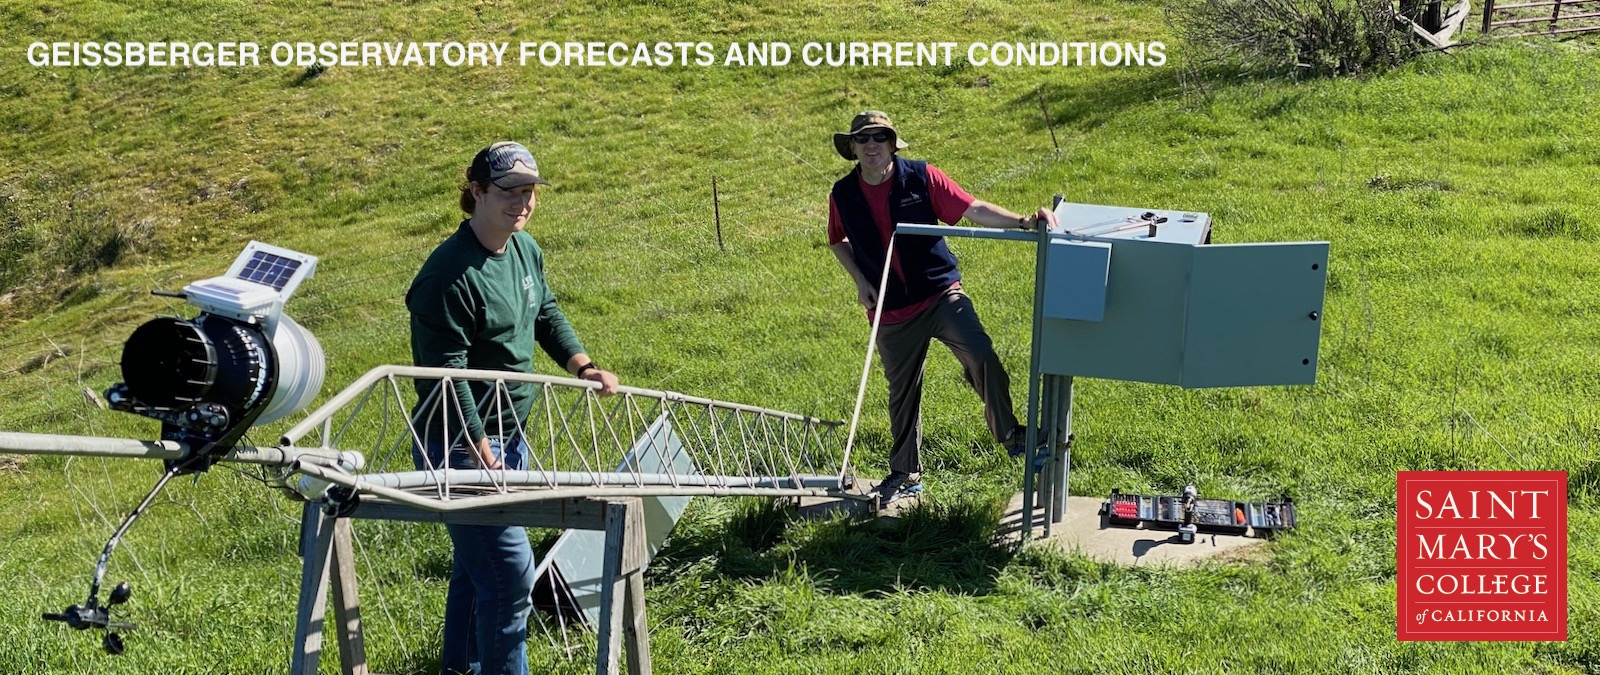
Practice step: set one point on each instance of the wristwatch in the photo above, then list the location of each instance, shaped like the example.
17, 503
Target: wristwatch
586, 368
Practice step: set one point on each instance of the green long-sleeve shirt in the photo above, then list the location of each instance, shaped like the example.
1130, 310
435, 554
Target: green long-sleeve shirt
473, 308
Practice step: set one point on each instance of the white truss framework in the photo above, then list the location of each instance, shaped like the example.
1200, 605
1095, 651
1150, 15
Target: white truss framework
578, 443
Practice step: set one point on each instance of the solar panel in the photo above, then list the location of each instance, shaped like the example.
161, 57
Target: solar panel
260, 280
269, 269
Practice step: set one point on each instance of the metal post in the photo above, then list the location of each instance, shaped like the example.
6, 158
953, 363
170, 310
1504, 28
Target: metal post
1488, 15
1048, 122
1062, 458
716, 211
1032, 420
1047, 407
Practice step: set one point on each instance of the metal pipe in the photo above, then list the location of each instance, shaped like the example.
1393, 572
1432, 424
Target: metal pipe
1063, 456
1545, 19
549, 479
501, 500
866, 366
1063, 464
88, 446
346, 460
1547, 33
1007, 234
1047, 472
974, 232
1546, 3
129, 448
1041, 260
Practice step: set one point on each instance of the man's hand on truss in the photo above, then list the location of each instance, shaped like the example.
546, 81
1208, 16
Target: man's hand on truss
608, 382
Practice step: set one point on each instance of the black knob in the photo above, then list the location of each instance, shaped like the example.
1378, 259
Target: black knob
1313, 316
121, 593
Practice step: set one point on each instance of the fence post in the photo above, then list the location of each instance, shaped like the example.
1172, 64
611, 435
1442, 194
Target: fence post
1047, 121
716, 211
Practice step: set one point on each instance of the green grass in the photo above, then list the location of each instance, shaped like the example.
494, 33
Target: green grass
1458, 194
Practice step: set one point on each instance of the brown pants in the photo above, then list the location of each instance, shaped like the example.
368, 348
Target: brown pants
904, 350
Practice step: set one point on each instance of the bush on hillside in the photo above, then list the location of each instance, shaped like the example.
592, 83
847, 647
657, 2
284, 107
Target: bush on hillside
1292, 37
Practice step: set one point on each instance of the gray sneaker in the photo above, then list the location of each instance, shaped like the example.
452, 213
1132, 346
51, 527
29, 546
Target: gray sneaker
898, 485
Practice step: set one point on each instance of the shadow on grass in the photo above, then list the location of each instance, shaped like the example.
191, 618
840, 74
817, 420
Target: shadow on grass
1088, 105
947, 546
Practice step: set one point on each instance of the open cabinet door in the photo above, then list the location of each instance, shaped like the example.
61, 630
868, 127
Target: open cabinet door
1254, 314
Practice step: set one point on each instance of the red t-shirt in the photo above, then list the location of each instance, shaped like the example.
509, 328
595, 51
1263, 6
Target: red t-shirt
949, 202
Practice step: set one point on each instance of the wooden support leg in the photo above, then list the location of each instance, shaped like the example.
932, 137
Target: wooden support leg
622, 591
609, 631
637, 629
346, 602
316, 542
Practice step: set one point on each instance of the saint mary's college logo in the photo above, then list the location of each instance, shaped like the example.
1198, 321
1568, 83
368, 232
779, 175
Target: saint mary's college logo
1481, 555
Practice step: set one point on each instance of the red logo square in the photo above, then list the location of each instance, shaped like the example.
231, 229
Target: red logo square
1481, 555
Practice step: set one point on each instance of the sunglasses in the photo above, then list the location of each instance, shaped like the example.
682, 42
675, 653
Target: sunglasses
881, 137
504, 158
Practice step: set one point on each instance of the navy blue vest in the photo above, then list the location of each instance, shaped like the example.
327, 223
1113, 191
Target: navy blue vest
926, 261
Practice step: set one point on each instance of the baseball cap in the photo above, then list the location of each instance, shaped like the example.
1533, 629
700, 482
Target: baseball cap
508, 164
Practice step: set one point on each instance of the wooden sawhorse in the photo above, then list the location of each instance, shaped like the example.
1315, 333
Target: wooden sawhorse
325, 545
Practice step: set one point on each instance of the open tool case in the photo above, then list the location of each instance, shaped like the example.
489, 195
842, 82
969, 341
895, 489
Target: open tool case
1221, 516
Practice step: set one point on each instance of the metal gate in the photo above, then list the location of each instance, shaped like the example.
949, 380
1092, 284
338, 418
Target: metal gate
1545, 17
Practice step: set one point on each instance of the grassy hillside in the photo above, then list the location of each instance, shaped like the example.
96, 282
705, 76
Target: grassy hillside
1457, 192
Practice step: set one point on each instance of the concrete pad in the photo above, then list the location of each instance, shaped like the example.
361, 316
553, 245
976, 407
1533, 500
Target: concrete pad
1083, 530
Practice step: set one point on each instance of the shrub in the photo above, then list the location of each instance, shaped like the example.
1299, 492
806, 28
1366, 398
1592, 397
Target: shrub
1292, 37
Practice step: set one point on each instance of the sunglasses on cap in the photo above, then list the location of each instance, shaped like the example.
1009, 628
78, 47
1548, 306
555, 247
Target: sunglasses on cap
881, 137
506, 156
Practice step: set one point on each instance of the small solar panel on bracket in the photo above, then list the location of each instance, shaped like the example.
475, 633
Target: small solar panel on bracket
269, 269
260, 280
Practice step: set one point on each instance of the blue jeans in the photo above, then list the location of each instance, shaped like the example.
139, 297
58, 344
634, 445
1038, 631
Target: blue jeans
491, 582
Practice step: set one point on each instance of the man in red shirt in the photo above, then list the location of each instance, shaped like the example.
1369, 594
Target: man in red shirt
923, 298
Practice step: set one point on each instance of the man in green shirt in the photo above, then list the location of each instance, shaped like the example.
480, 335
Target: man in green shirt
481, 302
